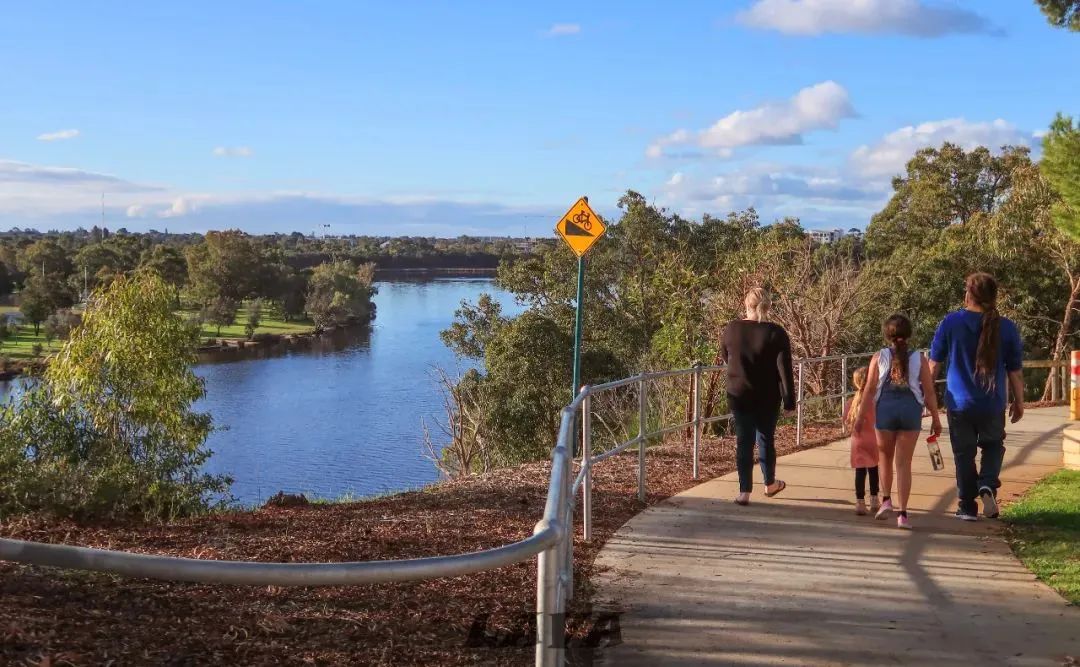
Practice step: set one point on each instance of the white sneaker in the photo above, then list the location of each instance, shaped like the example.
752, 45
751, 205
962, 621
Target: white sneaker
990, 505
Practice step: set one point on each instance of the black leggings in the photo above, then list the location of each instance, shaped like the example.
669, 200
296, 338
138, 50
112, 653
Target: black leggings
860, 482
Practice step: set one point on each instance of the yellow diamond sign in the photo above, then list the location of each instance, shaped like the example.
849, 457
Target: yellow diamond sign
580, 227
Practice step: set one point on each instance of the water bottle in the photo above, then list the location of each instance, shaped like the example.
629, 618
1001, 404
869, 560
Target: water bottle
935, 453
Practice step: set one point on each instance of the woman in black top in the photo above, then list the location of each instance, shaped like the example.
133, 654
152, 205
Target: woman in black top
759, 380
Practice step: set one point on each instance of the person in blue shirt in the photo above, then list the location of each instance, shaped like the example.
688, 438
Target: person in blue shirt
984, 352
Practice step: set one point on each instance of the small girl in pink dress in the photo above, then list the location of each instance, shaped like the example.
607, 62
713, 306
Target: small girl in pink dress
864, 447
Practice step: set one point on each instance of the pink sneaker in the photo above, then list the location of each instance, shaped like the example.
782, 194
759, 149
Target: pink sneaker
884, 510
903, 523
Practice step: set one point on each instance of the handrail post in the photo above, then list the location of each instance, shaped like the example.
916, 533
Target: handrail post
586, 462
843, 386
568, 535
697, 414
642, 409
799, 408
550, 632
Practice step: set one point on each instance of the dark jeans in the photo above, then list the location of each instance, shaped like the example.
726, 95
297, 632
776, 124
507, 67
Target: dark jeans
860, 482
970, 432
755, 426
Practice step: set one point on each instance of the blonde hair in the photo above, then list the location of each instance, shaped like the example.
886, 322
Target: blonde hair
758, 304
859, 381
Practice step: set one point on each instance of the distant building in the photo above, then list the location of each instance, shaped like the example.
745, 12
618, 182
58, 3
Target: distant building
825, 236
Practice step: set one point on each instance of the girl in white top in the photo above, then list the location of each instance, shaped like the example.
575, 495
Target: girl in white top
900, 389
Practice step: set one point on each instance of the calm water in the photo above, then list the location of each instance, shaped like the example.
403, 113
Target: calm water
343, 415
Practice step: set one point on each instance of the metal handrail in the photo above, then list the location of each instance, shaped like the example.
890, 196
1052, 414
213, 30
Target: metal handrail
551, 542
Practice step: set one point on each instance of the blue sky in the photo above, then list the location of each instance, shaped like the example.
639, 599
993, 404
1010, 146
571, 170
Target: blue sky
467, 117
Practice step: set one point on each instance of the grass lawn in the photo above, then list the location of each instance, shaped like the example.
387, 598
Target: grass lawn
1044, 530
21, 344
267, 325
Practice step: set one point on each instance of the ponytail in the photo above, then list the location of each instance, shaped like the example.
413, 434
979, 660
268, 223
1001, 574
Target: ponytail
897, 331
982, 291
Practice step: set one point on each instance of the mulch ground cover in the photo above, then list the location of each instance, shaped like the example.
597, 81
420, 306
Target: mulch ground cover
51, 617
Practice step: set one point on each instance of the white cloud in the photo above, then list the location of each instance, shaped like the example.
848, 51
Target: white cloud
233, 151
907, 17
890, 154
36, 190
770, 182
180, 207
563, 30
65, 198
817, 107
59, 135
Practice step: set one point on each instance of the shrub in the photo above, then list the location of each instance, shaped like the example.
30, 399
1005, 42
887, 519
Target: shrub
109, 429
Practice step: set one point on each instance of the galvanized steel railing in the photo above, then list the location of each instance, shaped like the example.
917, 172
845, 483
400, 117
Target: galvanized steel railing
551, 542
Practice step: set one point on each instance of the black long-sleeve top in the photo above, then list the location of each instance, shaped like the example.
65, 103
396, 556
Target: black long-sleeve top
758, 356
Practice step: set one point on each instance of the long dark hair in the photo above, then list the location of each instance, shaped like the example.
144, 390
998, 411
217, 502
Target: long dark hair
982, 290
897, 330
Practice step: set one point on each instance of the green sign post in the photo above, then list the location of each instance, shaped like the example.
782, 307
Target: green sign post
580, 228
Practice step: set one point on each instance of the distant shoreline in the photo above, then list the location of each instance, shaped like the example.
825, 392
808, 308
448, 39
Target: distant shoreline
438, 270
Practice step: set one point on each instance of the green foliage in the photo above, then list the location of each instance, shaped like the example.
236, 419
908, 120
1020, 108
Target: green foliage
169, 263
941, 187
340, 294
109, 429
61, 323
253, 317
474, 327
41, 297
226, 265
1061, 13
220, 311
1061, 166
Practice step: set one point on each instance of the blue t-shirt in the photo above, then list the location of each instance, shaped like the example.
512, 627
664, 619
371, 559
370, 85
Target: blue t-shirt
956, 341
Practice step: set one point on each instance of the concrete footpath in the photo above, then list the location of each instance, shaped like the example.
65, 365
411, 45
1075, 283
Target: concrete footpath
801, 580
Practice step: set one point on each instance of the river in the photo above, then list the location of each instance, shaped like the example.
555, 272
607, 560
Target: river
342, 416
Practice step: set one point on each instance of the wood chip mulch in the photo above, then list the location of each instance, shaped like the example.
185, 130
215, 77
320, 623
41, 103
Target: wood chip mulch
51, 617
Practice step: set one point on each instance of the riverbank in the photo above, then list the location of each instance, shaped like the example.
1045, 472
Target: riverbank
89, 618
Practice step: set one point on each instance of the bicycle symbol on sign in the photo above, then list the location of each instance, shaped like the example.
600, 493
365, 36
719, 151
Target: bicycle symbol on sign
582, 219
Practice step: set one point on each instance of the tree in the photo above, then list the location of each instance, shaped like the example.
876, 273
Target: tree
254, 315
45, 257
1028, 234
220, 311
94, 260
941, 187
1061, 13
1061, 166
340, 294
39, 299
110, 429
61, 323
227, 264
169, 263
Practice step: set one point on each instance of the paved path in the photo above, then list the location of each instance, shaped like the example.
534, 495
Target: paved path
800, 580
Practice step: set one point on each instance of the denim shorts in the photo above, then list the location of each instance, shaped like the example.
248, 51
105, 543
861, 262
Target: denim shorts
898, 410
